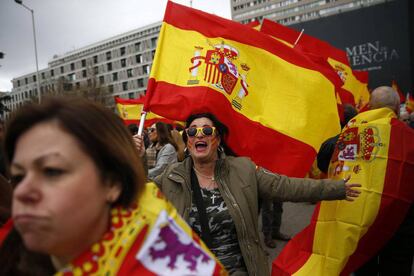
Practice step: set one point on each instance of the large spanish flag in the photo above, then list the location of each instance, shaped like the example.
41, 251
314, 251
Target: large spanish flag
130, 112
376, 149
278, 106
336, 58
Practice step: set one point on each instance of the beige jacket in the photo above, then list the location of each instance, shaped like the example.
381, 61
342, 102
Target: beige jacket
241, 184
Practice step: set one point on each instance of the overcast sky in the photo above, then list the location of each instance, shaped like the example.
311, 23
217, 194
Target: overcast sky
66, 25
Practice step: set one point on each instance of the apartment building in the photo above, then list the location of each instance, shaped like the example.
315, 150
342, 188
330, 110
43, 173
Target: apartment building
289, 12
120, 64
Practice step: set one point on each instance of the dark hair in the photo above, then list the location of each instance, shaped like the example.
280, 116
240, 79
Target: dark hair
221, 129
349, 113
100, 133
164, 135
179, 127
133, 129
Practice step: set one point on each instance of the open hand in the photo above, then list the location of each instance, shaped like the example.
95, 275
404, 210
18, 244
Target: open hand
350, 191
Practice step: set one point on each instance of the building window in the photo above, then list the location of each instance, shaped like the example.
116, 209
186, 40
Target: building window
109, 66
125, 85
43, 75
95, 59
68, 87
138, 46
78, 85
108, 55
52, 72
140, 83
89, 82
153, 54
62, 70
129, 73
123, 62
83, 61
131, 95
122, 51
154, 42
18, 83
95, 70
138, 58
72, 77
111, 88
72, 66
25, 80
34, 77
84, 73
146, 69
115, 76
101, 79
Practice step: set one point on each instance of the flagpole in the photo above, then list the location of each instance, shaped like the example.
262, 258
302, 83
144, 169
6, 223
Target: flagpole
300, 35
141, 123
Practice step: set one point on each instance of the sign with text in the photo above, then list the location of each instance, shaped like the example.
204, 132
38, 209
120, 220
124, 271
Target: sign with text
375, 38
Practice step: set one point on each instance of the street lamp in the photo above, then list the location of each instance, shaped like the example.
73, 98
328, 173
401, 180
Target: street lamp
20, 2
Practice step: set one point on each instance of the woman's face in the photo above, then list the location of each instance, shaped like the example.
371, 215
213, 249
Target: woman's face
60, 204
152, 134
203, 148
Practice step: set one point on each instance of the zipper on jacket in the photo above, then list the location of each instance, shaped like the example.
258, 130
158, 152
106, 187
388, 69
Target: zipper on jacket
244, 230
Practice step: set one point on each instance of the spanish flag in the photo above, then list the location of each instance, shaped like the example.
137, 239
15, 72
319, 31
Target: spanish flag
130, 112
278, 106
397, 88
335, 57
376, 149
409, 103
363, 78
291, 37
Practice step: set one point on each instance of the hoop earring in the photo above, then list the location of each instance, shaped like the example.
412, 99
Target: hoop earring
220, 149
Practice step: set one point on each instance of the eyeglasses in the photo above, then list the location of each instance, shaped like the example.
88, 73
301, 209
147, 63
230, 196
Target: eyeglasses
205, 131
151, 130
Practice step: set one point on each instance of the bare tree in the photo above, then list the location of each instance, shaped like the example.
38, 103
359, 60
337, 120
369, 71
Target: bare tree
91, 88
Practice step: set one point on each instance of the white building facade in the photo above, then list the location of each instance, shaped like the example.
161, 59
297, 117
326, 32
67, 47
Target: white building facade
120, 64
289, 12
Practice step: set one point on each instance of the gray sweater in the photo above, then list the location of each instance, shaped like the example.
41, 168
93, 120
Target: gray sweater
166, 156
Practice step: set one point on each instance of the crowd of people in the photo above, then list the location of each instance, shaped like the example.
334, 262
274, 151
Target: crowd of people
70, 163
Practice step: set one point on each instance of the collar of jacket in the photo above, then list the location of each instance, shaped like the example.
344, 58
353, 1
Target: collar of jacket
181, 172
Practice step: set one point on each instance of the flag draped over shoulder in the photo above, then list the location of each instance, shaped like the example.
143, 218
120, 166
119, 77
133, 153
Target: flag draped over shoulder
376, 149
148, 239
353, 90
278, 106
130, 112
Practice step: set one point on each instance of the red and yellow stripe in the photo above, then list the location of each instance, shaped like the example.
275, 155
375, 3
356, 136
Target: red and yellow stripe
130, 112
343, 235
336, 58
290, 108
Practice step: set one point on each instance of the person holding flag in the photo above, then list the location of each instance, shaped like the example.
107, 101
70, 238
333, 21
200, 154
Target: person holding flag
218, 194
396, 256
375, 148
